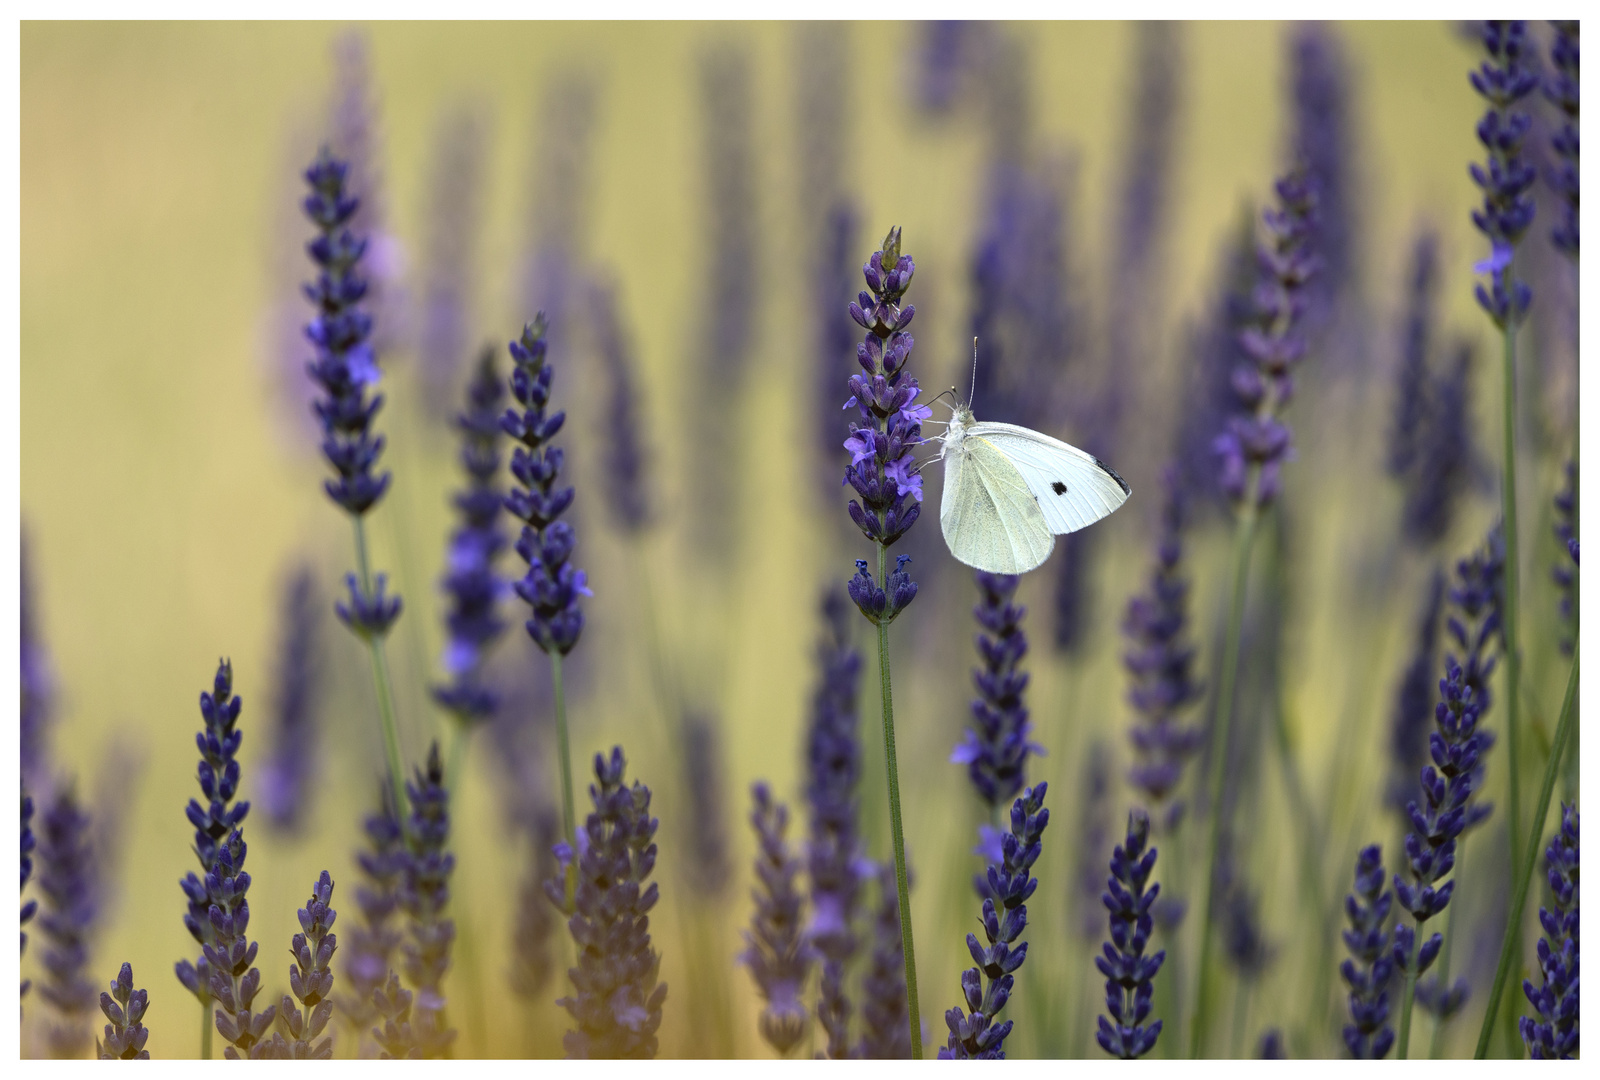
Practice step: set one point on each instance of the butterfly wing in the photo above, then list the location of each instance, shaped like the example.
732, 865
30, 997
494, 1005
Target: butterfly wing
1073, 488
989, 515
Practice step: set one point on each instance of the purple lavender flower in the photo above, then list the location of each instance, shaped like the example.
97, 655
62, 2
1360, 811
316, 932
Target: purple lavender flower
1444, 466
1503, 80
1474, 624
67, 888
1553, 1031
1255, 442
311, 979
987, 987
1159, 662
38, 685
30, 908
552, 585
1564, 576
1271, 1046
1127, 969
1412, 382
423, 893
616, 999
626, 455
396, 1038
1370, 966
371, 942
947, 62
1413, 708
288, 776
833, 851
1321, 139
1094, 795
218, 844
1561, 87
1243, 940
124, 1008
532, 962
470, 580
995, 750
707, 866
450, 251
775, 948
885, 1031
881, 468
230, 956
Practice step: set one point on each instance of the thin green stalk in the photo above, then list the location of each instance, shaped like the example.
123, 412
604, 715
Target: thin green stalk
1222, 720
914, 1015
1443, 978
1519, 901
380, 679
1403, 1043
1513, 657
569, 828
1311, 851
205, 1029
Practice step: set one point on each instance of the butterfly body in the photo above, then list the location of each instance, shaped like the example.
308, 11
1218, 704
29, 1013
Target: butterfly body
1010, 491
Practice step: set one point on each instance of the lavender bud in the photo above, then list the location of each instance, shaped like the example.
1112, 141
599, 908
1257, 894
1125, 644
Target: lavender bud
67, 919
1127, 969
995, 749
1370, 967
775, 949
124, 1008
1552, 1032
423, 893
1561, 87
288, 776
311, 980
1503, 79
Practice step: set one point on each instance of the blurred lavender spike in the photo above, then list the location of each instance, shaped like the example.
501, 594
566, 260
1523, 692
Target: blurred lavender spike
124, 1007
423, 893
1271, 1046
626, 453
995, 748
729, 305
1322, 138
31, 907
289, 774
707, 868
37, 678
67, 921
1370, 967
986, 989
472, 583
1092, 834
775, 950
532, 957
450, 255
1552, 1032
1561, 87
1413, 372
1446, 458
1504, 79
947, 63
833, 332
616, 997
1412, 717
1244, 942
885, 1033
1564, 572
1127, 969
833, 854
371, 942
823, 122
1477, 603
311, 980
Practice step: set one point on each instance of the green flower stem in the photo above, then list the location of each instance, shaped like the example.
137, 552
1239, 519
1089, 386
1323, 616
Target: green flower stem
380, 679
1403, 1043
1222, 720
569, 828
205, 1029
914, 1015
1443, 966
1513, 657
1524, 876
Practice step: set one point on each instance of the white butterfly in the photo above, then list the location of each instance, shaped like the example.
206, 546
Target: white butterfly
1010, 491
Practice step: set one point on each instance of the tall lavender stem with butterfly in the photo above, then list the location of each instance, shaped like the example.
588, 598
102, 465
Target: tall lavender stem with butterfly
882, 472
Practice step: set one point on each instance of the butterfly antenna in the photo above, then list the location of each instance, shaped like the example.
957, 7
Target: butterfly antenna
974, 388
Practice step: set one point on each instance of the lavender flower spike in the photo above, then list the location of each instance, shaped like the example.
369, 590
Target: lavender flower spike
775, 951
1553, 1031
470, 580
67, 887
1368, 970
1561, 87
1127, 969
30, 908
995, 750
288, 776
627, 455
424, 895
1005, 916
1565, 576
370, 943
885, 1031
311, 979
124, 1008
1504, 79
616, 999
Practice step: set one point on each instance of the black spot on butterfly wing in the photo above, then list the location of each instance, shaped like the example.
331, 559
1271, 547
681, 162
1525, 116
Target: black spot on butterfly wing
1109, 471
1058, 487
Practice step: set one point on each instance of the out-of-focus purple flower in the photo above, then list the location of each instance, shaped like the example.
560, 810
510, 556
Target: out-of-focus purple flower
396, 1039
1504, 78
1412, 718
1243, 941
1160, 660
1412, 381
1566, 530
885, 395
885, 1032
995, 749
987, 987
552, 585
1127, 969
423, 893
775, 950
616, 996
1271, 1046
625, 454
1255, 443
1553, 1031
38, 685
1440, 1001
1561, 87
708, 867
1092, 833
1370, 966
1474, 623
67, 920
947, 61
1444, 465
833, 849
30, 908
532, 962
124, 1008
371, 942
311, 979
346, 363
450, 252
288, 775
1322, 139
470, 579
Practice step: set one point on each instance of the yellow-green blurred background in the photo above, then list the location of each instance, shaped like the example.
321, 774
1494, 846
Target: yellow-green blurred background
166, 485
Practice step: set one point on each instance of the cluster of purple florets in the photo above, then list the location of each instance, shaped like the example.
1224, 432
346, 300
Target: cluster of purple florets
1504, 78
